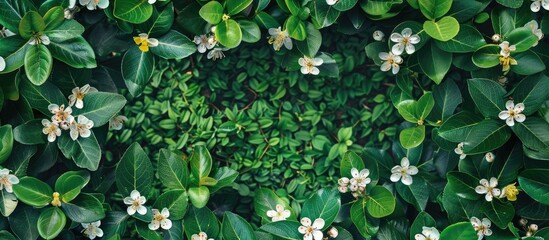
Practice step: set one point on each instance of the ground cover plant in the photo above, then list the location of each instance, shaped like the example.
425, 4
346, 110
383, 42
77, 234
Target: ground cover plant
283, 119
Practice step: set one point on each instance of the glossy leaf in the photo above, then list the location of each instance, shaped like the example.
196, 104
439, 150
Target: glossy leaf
380, 202
176, 201
172, 170
535, 184
38, 64
33, 192
75, 52
434, 62
134, 172
51, 223
85, 152
487, 95
229, 33
444, 29
235, 227
174, 45
133, 11
324, 204
137, 69
434, 9
84, 209
486, 136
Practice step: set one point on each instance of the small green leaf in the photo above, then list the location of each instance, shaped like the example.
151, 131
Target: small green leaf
38, 64
444, 29
250, 31
53, 18
380, 202
296, 28
212, 12
33, 192
412, 137
199, 196
487, 56
69, 184
459, 231
31, 24
229, 33
433, 9
237, 6
201, 162
6, 142
51, 222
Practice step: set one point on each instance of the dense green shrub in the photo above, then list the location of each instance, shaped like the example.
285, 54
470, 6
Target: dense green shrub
286, 119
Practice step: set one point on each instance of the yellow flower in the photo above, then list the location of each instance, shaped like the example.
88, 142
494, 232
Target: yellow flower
510, 191
506, 62
144, 42
56, 202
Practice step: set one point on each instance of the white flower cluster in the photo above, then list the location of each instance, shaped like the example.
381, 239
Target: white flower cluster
481, 227
7, 180
357, 184
428, 233
537, 4
279, 213
200, 236
63, 120
136, 203
404, 42
90, 4
208, 42
92, 230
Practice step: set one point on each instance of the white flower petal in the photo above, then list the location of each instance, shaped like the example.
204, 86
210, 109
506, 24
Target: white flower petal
398, 49
510, 122
396, 37
481, 190
412, 170
395, 177
318, 223
317, 235
503, 115
509, 104
520, 117
407, 180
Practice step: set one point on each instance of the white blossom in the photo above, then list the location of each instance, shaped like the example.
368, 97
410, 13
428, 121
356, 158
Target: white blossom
61, 115
217, 53
537, 4
459, 151
94, 4
391, 61
4, 33
403, 172
333, 232
92, 230
135, 203
51, 129
204, 43
488, 188
160, 219
41, 39
513, 113
80, 128
535, 29
151, 1
378, 35
482, 228
77, 97
200, 236
405, 41
428, 233
311, 231
331, 2
117, 121
278, 38
506, 49
7, 180
309, 65
496, 38
360, 179
279, 214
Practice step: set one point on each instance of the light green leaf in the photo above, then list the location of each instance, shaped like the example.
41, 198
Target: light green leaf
444, 29
38, 64
69, 29
31, 24
236, 6
228, 33
459, 231
201, 162
468, 39
51, 222
174, 45
412, 137
487, 56
33, 192
100, 107
199, 196
250, 31
134, 172
212, 12
363, 222
6, 142
380, 202
133, 11
8, 203
433, 9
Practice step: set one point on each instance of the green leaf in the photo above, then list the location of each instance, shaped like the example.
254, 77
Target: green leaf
236, 6
435, 62
75, 52
529, 63
228, 33
322, 14
423, 219
250, 31
380, 202
284, 229
235, 227
134, 172
33, 192
416, 194
312, 42
144, 232
459, 231
85, 152
457, 127
463, 185
69, 29
199, 196
38, 64
51, 222
534, 183
296, 28
523, 38
159, 23
174, 200
200, 220
172, 170
433, 9
501, 213
201, 162
468, 39
212, 12
412, 137
84, 209
265, 200
511, 4
53, 18
487, 95
23, 222
266, 20
31, 24
6, 235
444, 29
15, 58
344, 5
114, 223
487, 56
350, 160
132, 11
29, 133
174, 45
446, 97
6, 142
8, 203
530, 91
100, 107
533, 133
69, 184
324, 204
486, 136
137, 69
361, 220
224, 176
12, 12
505, 20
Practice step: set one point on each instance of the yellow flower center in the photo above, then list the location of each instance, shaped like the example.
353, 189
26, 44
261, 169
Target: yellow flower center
511, 192
225, 17
277, 40
56, 202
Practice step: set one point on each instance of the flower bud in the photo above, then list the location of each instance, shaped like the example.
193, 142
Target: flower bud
333, 232
523, 222
533, 227
489, 156
496, 37
378, 35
